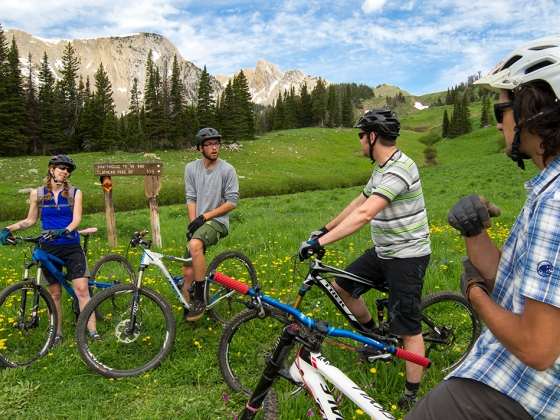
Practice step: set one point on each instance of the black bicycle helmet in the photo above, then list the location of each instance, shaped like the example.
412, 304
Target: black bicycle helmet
382, 121
207, 134
63, 160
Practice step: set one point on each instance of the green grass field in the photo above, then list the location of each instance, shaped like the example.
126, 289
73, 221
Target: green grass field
275, 214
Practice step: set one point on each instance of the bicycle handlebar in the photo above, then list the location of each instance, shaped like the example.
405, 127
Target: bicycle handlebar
311, 323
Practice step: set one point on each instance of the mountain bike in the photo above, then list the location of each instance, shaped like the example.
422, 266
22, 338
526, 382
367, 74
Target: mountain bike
139, 328
450, 328
28, 318
310, 367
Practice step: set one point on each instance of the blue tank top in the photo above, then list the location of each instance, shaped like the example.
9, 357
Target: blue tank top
59, 216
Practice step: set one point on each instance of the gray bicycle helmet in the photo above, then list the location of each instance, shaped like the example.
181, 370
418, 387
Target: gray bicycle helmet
382, 121
63, 160
207, 134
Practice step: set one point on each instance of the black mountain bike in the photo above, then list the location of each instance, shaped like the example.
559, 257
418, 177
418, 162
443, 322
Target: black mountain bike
450, 328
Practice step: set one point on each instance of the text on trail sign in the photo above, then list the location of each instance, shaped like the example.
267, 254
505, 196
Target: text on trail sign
120, 169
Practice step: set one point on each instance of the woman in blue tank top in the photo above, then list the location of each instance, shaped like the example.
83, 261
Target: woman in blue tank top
59, 206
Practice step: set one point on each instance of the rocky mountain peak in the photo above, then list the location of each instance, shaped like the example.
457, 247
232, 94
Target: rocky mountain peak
124, 58
266, 81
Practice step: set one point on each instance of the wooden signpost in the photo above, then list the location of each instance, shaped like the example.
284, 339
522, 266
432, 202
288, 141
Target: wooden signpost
152, 184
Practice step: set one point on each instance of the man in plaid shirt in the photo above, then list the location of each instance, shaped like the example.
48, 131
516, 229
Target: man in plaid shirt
513, 371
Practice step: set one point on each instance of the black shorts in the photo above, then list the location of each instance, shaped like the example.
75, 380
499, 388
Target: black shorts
404, 278
74, 260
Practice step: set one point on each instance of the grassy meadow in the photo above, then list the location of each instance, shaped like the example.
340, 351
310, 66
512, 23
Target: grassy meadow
292, 182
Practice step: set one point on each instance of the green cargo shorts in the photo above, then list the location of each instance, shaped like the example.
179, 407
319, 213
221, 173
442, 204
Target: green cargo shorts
209, 233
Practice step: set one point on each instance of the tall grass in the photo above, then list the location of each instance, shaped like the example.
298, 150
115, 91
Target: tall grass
268, 230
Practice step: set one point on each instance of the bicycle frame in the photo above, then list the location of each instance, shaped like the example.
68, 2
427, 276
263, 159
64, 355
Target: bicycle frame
314, 277
154, 258
43, 259
310, 367
150, 257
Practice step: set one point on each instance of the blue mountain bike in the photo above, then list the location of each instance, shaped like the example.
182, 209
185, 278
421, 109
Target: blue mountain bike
28, 317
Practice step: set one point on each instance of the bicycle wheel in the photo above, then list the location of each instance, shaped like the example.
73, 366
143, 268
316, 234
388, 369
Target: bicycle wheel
25, 338
127, 350
224, 303
111, 269
450, 328
244, 345
114, 269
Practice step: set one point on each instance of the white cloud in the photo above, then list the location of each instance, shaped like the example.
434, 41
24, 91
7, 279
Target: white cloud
372, 6
421, 46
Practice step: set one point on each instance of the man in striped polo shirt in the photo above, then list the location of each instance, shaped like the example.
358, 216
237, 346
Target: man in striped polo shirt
393, 203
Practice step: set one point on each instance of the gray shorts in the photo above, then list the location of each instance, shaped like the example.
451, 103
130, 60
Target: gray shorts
209, 233
466, 399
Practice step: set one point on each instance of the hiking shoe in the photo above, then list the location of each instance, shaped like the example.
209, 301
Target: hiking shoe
94, 336
407, 401
58, 340
197, 310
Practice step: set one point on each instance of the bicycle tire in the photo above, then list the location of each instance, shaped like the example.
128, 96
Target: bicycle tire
458, 327
112, 268
123, 354
236, 265
21, 341
244, 345
270, 409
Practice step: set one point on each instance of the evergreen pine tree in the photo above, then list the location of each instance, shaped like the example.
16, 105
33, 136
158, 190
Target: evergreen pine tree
466, 126
155, 126
104, 105
206, 104
244, 108
445, 125
110, 134
319, 102
177, 105
69, 96
347, 110
306, 108
134, 131
279, 114
290, 109
226, 110
13, 113
32, 107
51, 136
333, 108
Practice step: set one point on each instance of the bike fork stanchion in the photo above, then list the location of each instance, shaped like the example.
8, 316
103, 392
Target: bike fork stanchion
286, 342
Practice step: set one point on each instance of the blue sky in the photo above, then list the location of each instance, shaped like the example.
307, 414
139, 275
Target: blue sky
420, 46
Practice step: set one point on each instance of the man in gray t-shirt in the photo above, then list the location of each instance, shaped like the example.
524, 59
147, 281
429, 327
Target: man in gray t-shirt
212, 191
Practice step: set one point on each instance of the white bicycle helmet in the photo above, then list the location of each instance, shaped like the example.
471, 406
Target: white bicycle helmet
536, 60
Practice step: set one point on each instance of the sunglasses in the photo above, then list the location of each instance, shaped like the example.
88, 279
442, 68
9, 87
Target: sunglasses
63, 168
499, 110
361, 134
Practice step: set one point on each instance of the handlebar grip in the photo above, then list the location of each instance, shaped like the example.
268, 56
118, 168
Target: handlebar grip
230, 283
414, 358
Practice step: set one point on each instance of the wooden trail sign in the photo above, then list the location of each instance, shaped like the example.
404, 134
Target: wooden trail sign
151, 171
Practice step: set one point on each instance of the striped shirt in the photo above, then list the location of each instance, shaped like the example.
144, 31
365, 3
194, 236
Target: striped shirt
400, 229
529, 268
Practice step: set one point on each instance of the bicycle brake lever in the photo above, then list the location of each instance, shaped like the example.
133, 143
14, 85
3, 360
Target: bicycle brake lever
381, 357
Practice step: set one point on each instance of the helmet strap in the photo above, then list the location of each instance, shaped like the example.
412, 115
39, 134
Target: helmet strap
56, 181
371, 146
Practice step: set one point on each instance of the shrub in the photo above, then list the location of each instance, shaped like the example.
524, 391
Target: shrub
430, 139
